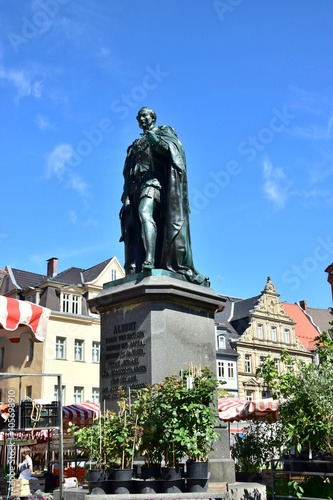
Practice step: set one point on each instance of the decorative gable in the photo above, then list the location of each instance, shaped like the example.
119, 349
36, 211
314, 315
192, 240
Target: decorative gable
270, 325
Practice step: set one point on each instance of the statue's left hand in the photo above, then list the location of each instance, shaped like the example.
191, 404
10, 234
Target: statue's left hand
152, 138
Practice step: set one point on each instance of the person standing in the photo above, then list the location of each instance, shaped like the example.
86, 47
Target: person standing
25, 467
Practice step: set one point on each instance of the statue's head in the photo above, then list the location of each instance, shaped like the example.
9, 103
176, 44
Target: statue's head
143, 113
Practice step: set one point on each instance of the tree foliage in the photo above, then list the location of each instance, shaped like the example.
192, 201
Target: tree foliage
305, 392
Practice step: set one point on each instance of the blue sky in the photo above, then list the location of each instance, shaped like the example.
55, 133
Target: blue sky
247, 85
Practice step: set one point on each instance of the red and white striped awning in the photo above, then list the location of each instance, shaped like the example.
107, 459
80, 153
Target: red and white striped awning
80, 413
234, 410
41, 436
15, 313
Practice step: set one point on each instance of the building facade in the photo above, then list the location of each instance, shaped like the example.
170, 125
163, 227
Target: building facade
263, 329
72, 344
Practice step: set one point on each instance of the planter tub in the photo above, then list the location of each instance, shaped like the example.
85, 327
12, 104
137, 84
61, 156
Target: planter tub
171, 473
151, 471
97, 475
122, 474
196, 469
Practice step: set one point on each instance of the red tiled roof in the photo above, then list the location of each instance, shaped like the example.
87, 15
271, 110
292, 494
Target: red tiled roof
304, 329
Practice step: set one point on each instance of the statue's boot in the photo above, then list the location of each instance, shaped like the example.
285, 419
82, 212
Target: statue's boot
149, 234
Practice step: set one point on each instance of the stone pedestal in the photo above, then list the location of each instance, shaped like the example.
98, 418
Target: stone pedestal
153, 325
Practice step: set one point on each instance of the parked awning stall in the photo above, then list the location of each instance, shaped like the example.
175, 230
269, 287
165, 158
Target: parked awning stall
235, 410
15, 314
80, 413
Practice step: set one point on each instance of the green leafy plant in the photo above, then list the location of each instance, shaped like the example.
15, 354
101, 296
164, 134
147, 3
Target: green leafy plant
198, 412
177, 418
112, 439
254, 450
306, 398
91, 441
122, 433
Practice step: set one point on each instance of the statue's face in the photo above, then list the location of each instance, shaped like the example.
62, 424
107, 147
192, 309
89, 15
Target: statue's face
145, 120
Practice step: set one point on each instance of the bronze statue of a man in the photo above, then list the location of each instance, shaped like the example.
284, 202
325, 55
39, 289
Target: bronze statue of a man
155, 211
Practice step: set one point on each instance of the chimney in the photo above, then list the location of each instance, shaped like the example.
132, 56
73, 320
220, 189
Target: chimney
52, 267
303, 305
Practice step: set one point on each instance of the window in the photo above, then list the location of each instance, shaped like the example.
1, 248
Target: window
220, 369
273, 333
28, 391
248, 364
2, 356
7, 285
60, 348
260, 334
113, 274
78, 394
95, 395
262, 360
32, 298
96, 351
221, 341
230, 370
65, 302
277, 364
249, 395
55, 394
70, 303
75, 304
286, 336
266, 394
78, 350
31, 350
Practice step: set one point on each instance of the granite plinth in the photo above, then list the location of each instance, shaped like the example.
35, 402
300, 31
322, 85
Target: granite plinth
153, 325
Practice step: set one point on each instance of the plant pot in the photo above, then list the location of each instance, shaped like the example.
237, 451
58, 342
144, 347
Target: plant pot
147, 486
172, 485
196, 485
95, 486
196, 469
151, 471
97, 475
122, 474
171, 473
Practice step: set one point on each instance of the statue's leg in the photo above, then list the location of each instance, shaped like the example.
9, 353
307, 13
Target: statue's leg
148, 230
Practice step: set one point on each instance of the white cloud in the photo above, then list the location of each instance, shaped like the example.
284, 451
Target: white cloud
43, 122
316, 132
276, 186
91, 222
72, 216
25, 82
58, 163
57, 159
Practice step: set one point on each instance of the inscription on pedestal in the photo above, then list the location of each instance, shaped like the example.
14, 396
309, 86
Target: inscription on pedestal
125, 364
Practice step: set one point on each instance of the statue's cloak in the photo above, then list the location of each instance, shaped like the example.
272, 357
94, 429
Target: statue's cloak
177, 252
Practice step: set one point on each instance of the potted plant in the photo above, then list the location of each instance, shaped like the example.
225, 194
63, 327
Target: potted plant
198, 423
89, 441
122, 435
146, 407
